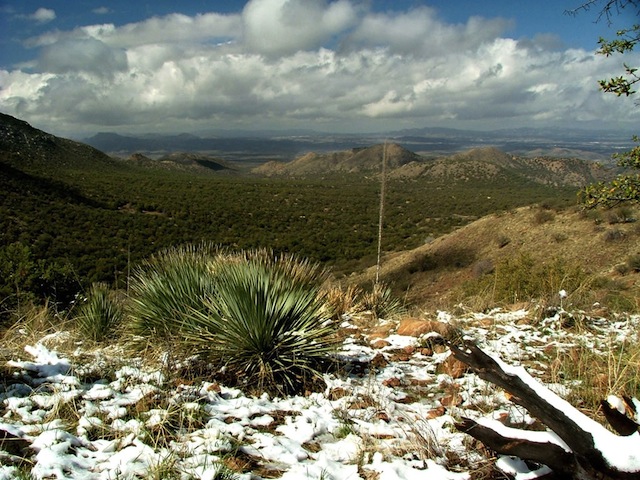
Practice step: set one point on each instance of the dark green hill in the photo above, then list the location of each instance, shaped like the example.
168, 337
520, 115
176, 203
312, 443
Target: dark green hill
197, 162
26, 147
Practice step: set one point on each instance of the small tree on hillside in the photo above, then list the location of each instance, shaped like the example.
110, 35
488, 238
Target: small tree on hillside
626, 186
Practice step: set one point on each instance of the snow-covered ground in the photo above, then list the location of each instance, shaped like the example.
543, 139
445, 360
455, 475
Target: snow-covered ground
85, 420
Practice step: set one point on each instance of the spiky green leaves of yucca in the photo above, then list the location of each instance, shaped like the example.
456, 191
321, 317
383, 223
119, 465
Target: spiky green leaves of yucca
257, 314
100, 314
265, 322
167, 288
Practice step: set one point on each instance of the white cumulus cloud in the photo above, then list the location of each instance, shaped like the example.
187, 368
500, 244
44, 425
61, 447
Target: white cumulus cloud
43, 15
279, 27
82, 55
334, 66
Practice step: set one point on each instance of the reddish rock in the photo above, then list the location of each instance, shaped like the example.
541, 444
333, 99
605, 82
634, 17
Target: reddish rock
503, 418
451, 400
407, 400
414, 327
392, 382
382, 416
420, 383
337, 393
400, 357
381, 331
409, 349
440, 348
452, 367
379, 344
213, 387
487, 322
436, 412
379, 361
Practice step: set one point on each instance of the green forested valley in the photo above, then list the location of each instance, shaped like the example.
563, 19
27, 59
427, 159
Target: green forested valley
63, 228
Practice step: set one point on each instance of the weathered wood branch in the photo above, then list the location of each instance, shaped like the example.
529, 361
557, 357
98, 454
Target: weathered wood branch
547, 453
618, 420
588, 447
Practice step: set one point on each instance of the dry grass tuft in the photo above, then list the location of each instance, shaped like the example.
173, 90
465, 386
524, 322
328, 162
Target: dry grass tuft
596, 373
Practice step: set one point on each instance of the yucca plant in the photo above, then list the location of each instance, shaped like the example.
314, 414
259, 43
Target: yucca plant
167, 288
382, 303
100, 314
258, 314
264, 321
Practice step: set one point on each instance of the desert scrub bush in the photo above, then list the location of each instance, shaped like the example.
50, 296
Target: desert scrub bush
633, 263
167, 288
263, 322
451, 257
342, 300
503, 241
31, 322
596, 373
483, 267
614, 235
543, 216
100, 314
615, 294
619, 215
555, 204
523, 278
594, 215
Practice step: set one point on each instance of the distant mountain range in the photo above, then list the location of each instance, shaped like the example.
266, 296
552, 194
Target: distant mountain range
260, 147
22, 145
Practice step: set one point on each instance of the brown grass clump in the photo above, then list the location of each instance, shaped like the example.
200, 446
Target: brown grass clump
594, 374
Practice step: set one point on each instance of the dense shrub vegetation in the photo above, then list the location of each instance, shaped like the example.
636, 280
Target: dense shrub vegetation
77, 227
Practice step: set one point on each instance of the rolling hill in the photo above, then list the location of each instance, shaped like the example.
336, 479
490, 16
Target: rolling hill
477, 164
184, 161
355, 160
490, 163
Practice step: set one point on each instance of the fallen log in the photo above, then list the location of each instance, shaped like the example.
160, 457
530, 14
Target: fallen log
575, 446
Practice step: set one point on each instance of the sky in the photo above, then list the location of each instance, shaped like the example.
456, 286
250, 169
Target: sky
343, 66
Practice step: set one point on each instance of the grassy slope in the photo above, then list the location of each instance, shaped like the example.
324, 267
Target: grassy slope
432, 274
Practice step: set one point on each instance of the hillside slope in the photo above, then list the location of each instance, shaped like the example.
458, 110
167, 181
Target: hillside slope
602, 244
186, 161
490, 163
26, 147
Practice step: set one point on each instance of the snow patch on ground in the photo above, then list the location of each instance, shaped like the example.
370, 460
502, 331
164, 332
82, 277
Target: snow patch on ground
396, 421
